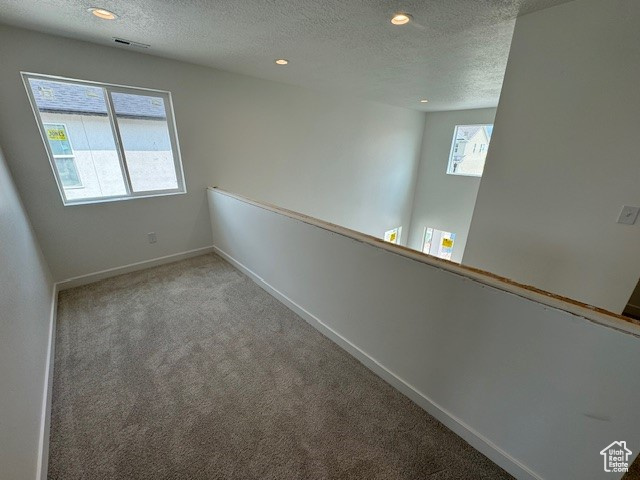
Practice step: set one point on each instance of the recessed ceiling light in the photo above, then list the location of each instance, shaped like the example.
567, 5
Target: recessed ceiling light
103, 14
282, 61
400, 18
424, 100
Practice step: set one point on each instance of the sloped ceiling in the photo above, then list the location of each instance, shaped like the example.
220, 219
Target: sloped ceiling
453, 53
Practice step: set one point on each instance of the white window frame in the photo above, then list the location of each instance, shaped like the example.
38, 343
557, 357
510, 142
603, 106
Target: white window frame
108, 89
427, 231
453, 146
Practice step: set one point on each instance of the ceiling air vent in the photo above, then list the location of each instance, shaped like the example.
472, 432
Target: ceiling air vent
130, 43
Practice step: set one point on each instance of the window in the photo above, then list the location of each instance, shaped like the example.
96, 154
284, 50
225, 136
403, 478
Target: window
62, 152
106, 142
438, 243
393, 235
469, 149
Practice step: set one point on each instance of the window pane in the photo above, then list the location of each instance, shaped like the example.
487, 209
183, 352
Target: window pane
79, 133
142, 121
438, 243
392, 236
58, 139
68, 172
469, 150
106, 141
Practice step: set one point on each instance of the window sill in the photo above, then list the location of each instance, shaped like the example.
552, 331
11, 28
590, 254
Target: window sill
91, 201
464, 175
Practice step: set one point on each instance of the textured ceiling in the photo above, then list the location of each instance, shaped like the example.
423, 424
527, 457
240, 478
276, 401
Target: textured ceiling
454, 52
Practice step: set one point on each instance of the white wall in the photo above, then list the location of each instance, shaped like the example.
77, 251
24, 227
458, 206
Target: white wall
25, 313
444, 201
348, 161
562, 160
539, 390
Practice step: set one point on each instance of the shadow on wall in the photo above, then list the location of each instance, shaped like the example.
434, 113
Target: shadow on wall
633, 307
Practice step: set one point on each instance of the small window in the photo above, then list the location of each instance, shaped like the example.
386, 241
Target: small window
393, 235
469, 150
106, 142
438, 243
60, 146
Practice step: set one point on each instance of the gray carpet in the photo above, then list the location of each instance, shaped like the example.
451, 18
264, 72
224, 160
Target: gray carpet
191, 371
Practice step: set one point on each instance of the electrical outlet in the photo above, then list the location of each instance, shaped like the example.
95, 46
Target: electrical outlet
628, 215
151, 236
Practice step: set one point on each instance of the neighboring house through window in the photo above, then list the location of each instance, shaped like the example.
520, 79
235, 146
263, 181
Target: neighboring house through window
469, 149
106, 142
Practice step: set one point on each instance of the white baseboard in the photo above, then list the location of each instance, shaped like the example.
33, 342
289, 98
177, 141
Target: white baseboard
45, 420
132, 267
473, 437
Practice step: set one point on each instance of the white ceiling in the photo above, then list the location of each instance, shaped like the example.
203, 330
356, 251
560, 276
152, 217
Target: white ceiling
453, 53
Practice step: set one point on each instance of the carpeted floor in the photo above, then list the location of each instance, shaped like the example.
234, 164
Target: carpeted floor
191, 371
